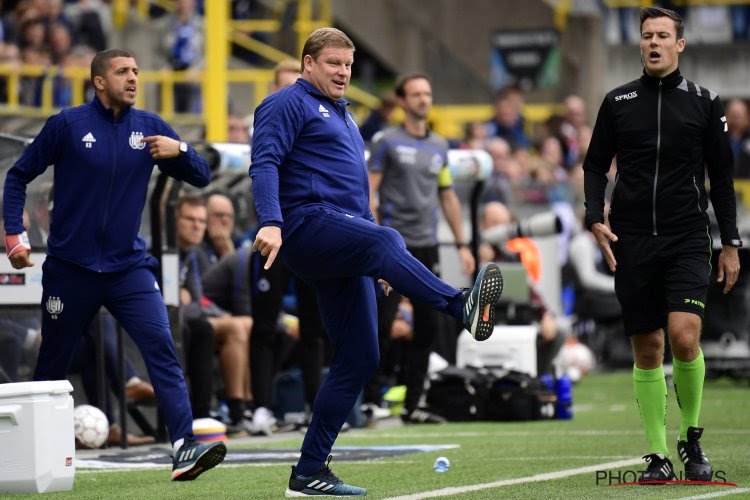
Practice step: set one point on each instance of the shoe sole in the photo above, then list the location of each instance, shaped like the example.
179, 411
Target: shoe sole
208, 460
699, 476
295, 494
490, 290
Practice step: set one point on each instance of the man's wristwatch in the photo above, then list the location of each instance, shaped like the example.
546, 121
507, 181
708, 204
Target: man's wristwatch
736, 242
183, 148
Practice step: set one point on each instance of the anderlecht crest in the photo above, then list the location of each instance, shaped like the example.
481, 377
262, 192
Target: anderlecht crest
136, 140
54, 306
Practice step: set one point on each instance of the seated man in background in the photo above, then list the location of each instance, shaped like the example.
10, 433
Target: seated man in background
218, 241
232, 333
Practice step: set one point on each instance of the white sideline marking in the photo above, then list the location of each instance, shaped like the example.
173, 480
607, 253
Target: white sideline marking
733, 491
592, 432
546, 476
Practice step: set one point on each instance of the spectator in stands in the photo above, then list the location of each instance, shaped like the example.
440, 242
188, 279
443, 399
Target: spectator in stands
475, 136
551, 172
182, 45
237, 130
232, 332
60, 41
31, 86
738, 121
55, 16
32, 34
78, 57
740, 15
218, 241
285, 73
9, 55
570, 129
552, 332
409, 178
506, 172
378, 117
89, 28
507, 121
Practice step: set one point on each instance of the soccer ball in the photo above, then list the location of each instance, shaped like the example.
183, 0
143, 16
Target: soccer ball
577, 359
91, 426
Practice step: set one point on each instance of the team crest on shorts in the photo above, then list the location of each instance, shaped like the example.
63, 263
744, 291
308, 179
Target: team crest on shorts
136, 140
54, 306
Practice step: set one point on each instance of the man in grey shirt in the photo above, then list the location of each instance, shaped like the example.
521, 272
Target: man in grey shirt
408, 170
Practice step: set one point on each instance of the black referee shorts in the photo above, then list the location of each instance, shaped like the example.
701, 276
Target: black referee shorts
659, 274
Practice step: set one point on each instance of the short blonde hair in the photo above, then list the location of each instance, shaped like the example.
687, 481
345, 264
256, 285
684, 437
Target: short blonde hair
285, 66
322, 38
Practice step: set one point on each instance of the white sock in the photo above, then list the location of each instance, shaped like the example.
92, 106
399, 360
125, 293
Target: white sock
178, 444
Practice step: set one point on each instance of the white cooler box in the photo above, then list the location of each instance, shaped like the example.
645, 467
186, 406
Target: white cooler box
509, 347
37, 443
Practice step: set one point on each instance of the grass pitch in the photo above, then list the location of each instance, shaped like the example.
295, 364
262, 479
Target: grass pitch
605, 429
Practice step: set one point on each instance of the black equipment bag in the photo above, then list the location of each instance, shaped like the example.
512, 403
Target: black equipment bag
459, 394
519, 396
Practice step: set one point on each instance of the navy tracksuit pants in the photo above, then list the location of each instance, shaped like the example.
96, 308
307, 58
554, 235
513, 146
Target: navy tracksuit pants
341, 256
71, 297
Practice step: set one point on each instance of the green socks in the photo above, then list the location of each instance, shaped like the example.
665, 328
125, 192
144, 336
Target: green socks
688, 385
651, 396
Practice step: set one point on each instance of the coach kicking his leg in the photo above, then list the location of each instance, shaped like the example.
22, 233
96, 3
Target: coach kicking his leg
103, 154
310, 188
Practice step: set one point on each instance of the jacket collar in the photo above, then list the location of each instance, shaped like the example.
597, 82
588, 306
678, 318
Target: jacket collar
107, 112
312, 89
670, 81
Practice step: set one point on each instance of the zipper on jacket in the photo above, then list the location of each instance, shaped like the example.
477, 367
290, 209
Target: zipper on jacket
695, 184
106, 200
342, 108
658, 150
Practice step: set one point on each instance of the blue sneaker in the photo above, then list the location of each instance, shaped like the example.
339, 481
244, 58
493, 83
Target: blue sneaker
322, 483
479, 307
194, 458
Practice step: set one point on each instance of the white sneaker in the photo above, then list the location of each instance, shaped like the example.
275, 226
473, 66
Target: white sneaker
375, 412
263, 422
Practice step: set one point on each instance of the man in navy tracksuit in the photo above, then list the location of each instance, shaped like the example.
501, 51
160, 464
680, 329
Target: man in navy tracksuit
310, 186
94, 254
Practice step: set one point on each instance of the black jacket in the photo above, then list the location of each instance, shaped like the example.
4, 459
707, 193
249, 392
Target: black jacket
666, 132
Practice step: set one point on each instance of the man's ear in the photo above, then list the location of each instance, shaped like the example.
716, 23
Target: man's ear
99, 83
307, 62
680, 45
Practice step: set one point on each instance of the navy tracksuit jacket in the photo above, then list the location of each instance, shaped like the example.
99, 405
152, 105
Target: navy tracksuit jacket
310, 179
94, 254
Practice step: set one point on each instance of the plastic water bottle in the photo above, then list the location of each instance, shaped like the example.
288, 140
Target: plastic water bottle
548, 381
442, 464
564, 388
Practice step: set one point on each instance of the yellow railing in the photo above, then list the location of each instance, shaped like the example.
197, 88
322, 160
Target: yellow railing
260, 79
13, 75
447, 120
